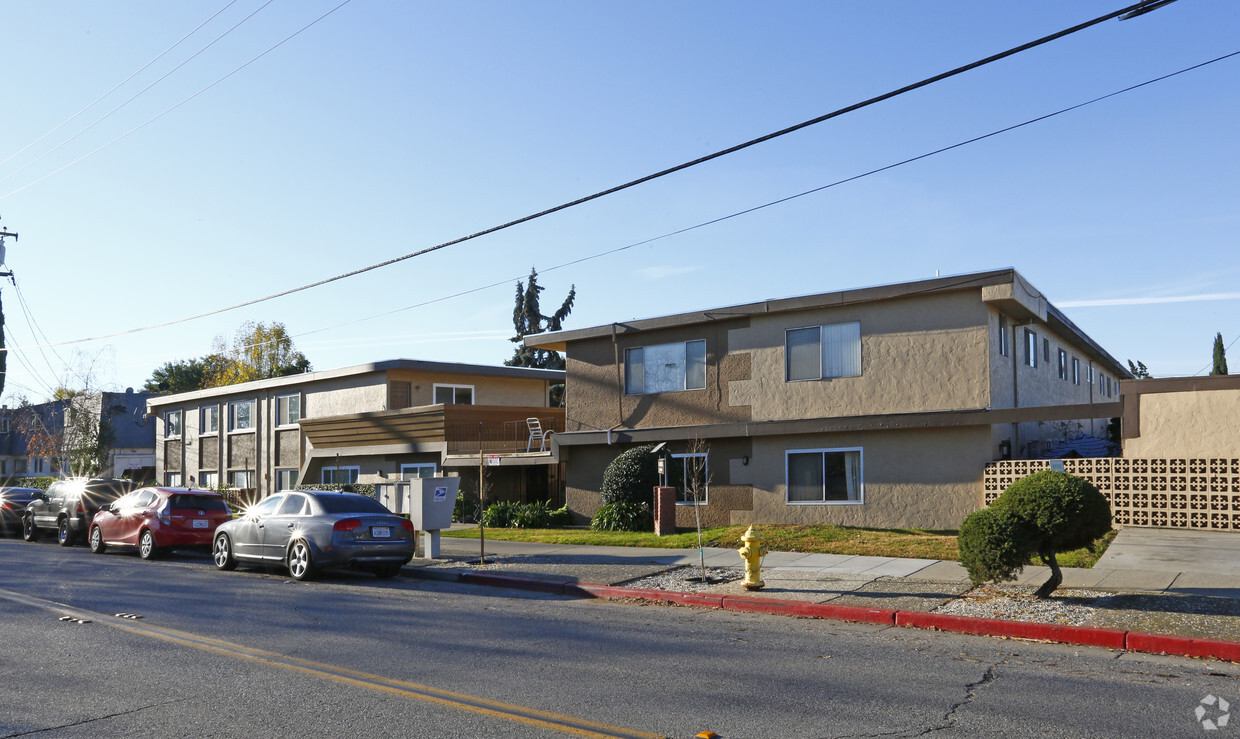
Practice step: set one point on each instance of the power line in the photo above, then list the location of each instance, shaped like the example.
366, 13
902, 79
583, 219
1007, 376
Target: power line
135, 129
107, 115
588, 198
116, 87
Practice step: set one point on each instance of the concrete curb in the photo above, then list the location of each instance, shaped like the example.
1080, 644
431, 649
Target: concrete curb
1133, 641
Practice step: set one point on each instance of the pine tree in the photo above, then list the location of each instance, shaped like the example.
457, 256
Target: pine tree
528, 319
1220, 356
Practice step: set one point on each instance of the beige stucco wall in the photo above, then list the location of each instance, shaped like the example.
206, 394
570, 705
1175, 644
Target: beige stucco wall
911, 478
487, 390
595, 400
917, 354
1200, 424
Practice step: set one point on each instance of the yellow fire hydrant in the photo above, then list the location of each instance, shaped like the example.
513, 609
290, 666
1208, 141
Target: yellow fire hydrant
752, 553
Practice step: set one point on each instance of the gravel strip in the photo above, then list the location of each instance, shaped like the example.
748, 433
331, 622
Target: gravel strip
1016, 603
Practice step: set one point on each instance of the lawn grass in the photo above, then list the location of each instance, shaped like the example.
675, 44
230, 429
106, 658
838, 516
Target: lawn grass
813, 538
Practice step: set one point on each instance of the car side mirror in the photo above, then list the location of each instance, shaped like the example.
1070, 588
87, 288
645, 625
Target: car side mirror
106, 507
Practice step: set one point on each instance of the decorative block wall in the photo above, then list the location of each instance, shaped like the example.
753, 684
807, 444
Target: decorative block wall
1173, 493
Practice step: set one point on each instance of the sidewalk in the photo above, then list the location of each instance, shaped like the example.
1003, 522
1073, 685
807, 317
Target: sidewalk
1146, 601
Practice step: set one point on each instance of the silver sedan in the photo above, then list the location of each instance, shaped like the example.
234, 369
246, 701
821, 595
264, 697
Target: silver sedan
308, 531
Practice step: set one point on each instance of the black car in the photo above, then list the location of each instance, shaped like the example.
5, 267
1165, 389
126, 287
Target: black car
68, 506
13, 502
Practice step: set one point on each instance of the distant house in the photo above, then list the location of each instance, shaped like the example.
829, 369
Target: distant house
870, 407
372, 423
42, 439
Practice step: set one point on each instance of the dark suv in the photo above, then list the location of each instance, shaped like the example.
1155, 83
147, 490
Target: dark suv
68, 506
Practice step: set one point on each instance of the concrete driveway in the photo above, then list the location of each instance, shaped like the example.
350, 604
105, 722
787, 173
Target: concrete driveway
1193, 552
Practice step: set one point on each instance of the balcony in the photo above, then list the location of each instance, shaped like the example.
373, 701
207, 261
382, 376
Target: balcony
452, 429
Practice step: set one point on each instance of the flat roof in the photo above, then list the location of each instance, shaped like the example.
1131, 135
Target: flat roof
416, 365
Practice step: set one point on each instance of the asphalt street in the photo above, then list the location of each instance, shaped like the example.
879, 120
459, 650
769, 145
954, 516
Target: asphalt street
254, 653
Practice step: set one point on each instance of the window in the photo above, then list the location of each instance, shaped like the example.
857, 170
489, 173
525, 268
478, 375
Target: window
4, 425
241, 415
1031, 348
174, 479
38, 464
241, 479
294, 505
172, 424
286, 479
209, 420
454, 394
1091, 374
4, 466
1108, 390
288, 410
821, 352
268, 506
340, 475
19, 467
209, 480
1046, 350
663, 368
1076, 371
417, 471
1063, 364
685, 471
1003, 344
824, 476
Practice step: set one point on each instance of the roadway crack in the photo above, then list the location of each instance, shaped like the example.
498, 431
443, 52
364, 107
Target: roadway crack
970, 692
94, 719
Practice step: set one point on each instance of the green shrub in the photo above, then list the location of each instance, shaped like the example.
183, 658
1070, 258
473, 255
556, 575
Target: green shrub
1042, 514
361, 488
994, 544
632, 476
499, 515
537, 515
623, 515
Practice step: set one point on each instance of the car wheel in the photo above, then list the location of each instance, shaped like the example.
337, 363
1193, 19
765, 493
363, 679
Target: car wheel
222, 553
390, 570
96, 540
298, 561
64, 533
146, 545
30, 532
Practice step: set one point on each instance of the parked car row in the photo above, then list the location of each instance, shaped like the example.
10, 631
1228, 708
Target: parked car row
304, 531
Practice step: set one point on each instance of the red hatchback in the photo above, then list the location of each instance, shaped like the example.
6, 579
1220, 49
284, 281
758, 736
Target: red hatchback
157, 519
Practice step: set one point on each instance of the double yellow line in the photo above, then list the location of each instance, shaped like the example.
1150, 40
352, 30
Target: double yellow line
413, 691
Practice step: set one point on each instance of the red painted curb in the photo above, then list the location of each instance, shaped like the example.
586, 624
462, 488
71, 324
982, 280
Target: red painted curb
1021, 629
1184, 646
513, 581
811, 610
614, 591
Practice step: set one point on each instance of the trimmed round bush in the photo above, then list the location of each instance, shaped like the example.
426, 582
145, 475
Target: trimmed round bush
1066, 511
632, 476
994, 544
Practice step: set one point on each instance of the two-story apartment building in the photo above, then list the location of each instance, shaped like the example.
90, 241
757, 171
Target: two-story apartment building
371, 423
42, 439
869, 407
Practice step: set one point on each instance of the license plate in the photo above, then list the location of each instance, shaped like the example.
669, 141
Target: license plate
381, 532
200, 524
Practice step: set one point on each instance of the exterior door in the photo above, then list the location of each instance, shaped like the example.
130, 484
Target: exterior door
248, 533
281, 527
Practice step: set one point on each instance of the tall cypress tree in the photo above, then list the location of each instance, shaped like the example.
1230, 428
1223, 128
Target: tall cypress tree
1220, 356
528, 319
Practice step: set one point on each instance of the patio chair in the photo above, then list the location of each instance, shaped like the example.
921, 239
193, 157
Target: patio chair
536, 432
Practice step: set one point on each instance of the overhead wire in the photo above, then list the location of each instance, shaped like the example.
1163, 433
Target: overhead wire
107, 115
117, 86
137, 128
603, 193
1211, 364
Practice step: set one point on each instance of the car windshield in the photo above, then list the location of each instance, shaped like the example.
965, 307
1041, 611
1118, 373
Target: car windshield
105, 492
197, 502
350, 503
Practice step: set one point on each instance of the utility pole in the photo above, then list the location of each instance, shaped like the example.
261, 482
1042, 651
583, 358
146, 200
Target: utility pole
4, 353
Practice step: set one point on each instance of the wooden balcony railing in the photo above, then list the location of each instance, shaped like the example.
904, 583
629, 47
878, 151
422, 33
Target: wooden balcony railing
500, 437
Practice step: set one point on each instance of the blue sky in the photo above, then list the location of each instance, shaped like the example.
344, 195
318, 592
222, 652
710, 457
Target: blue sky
388, 127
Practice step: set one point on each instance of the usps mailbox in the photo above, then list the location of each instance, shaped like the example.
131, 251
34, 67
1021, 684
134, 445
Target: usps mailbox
431, 502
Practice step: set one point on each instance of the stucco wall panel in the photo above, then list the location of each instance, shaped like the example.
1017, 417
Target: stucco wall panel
1200, 424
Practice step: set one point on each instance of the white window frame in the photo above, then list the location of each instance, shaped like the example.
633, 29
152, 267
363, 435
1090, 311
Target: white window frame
209, 483
860, 474
1076, 371
682, 486
1003, 341
435, 393
1063, 364
4, 426
282, 478
37, 464
281, 413
691, 382
406, 468
822, 344
232, 481
173, 429
205, 429
173, 479
324, 478
232, 418
1031, 348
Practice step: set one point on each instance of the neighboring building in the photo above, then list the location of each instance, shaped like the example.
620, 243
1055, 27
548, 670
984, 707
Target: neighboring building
37, 440
870, 407
372, 423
